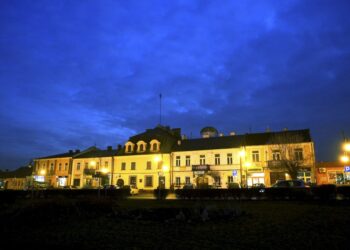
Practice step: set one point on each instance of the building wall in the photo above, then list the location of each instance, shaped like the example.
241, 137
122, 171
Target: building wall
54, 169
141, 171
331, 173
96, 164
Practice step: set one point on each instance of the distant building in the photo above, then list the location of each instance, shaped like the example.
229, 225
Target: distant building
18, 179
332, 173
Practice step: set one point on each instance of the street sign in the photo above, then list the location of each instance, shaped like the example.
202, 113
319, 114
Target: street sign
347, 169
234, 172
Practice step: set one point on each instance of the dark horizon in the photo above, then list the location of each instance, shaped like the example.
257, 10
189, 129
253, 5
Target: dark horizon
76, 74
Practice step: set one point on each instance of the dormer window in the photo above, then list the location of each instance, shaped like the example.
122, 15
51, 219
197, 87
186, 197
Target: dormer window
141, 146
129, 147
155, 145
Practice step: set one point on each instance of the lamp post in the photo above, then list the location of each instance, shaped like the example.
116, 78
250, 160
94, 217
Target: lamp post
241, 155
247, 164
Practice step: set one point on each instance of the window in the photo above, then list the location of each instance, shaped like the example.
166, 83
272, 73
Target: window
132, 180
78, 167
133, 166
97, 165
229, 159
59, 166
217, 180
106, 164
298, 154
178, 162
276, 155
217, 159
255, 156
51, 167
202, 159
155, 147
229, 179
141, 148
76, 182
188, 160
188, 180
149, 165
149, 181
177, 181
129, 149
123, 166
66, 167
86, 165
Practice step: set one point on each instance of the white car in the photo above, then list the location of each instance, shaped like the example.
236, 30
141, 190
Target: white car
133, 190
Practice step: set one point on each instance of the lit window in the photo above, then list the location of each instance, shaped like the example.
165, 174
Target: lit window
149, 181
178, 162
255, 156
217, 159
177, 181
276, 155
298, 154
188, 160
202, 159
229, 159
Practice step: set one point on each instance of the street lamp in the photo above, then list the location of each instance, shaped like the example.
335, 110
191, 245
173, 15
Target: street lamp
241, 155
247, 164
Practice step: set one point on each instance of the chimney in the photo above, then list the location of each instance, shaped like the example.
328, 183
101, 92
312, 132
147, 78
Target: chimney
232, 133
119, 147
70, 151
109, 148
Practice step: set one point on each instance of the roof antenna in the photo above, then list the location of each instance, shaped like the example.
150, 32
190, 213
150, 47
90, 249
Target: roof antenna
160, 109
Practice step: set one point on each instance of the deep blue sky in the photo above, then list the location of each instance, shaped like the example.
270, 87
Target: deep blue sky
76, 73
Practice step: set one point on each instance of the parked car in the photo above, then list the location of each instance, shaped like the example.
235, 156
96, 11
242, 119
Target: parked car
289, 184
258, 185
109, 187
133, 190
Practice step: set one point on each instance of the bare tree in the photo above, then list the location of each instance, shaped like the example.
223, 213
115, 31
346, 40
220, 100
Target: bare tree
288, 152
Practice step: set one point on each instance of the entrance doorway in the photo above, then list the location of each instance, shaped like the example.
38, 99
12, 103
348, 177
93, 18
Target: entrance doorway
202, 182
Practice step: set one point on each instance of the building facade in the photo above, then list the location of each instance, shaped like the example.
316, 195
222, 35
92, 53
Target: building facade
163, 157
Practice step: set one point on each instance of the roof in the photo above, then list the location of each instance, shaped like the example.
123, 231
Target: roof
62, 155
21, 172
165, 135
235, 141
95, 153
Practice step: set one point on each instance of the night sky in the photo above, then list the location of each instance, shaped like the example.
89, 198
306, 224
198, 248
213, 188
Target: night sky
78, 73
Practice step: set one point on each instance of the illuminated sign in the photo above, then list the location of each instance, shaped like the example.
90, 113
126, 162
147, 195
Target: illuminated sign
347, 169
200, 168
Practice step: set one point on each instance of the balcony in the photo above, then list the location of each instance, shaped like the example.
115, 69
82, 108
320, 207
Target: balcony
89, 171
275, 164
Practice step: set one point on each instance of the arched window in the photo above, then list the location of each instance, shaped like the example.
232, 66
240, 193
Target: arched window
155, 147
129, 148
141, 148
